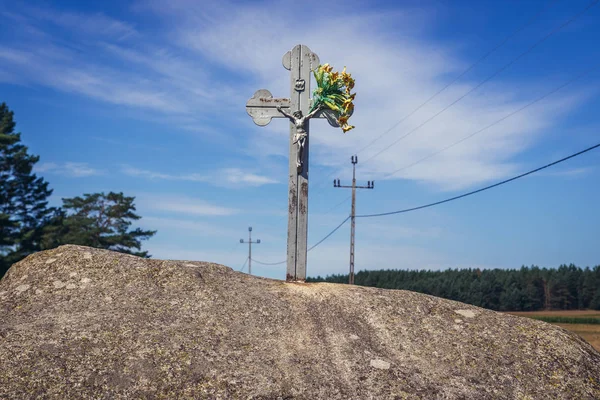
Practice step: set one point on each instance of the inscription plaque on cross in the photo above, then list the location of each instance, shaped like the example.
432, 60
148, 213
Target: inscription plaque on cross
262, 107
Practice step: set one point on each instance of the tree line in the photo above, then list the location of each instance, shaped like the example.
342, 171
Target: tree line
567, 287
28, 224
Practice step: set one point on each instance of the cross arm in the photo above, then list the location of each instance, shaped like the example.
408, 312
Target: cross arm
357, 187
262, 107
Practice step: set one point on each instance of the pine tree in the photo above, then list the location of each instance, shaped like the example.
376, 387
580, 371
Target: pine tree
97, 220
8, 139
23, 204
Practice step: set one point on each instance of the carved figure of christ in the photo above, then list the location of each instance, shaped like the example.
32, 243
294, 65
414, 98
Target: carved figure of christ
300, 137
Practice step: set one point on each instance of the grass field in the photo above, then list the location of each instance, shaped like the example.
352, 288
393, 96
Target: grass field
589, 332
572, 313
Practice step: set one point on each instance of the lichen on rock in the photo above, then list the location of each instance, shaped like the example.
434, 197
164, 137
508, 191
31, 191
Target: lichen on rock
98, 324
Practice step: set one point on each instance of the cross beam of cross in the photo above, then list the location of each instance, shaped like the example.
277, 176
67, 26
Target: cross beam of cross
262, 107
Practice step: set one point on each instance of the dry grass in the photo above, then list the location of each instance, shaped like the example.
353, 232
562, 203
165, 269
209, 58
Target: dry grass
568, 313
590, 333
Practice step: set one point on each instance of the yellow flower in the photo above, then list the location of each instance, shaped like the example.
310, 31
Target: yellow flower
334, 92
326, 68
347, 128
346, 76
349, 99
348, 108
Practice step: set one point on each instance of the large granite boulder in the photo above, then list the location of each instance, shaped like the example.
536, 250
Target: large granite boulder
83, 323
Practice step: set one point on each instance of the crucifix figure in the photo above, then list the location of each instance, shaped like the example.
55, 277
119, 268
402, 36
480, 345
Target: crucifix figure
262, 107
300, 137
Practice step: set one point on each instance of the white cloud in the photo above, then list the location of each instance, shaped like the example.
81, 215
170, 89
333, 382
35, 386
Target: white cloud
239, 176
182, 205
394, 73
70, 169
203, 63
97, 24
45, 167
228, 177
131, 171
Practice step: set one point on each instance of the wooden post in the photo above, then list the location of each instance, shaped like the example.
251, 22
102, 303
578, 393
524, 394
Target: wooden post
370, 185
300, 61
250, 242
353, 221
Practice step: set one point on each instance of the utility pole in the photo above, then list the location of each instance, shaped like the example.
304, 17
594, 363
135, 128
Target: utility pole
370, 185
250, 249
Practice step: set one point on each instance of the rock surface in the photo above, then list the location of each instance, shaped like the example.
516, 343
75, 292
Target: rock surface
82, 323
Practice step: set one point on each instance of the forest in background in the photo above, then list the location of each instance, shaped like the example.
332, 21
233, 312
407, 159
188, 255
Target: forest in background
567, 287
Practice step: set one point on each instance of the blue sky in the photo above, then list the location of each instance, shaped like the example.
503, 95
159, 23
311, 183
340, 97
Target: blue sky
148, 98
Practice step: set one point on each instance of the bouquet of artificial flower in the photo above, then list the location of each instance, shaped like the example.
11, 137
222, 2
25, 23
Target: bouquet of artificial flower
333, 91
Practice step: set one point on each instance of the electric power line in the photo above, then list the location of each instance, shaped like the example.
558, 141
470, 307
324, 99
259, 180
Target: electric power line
593, 3
496, 122
482, 58
502, 43
480, 84
338, 204
263, 263
329, 234
506, 66
482, 189
243, 266
442, 201
318, 243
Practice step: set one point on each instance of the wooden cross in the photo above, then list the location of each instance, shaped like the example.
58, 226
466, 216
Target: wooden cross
262, 107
